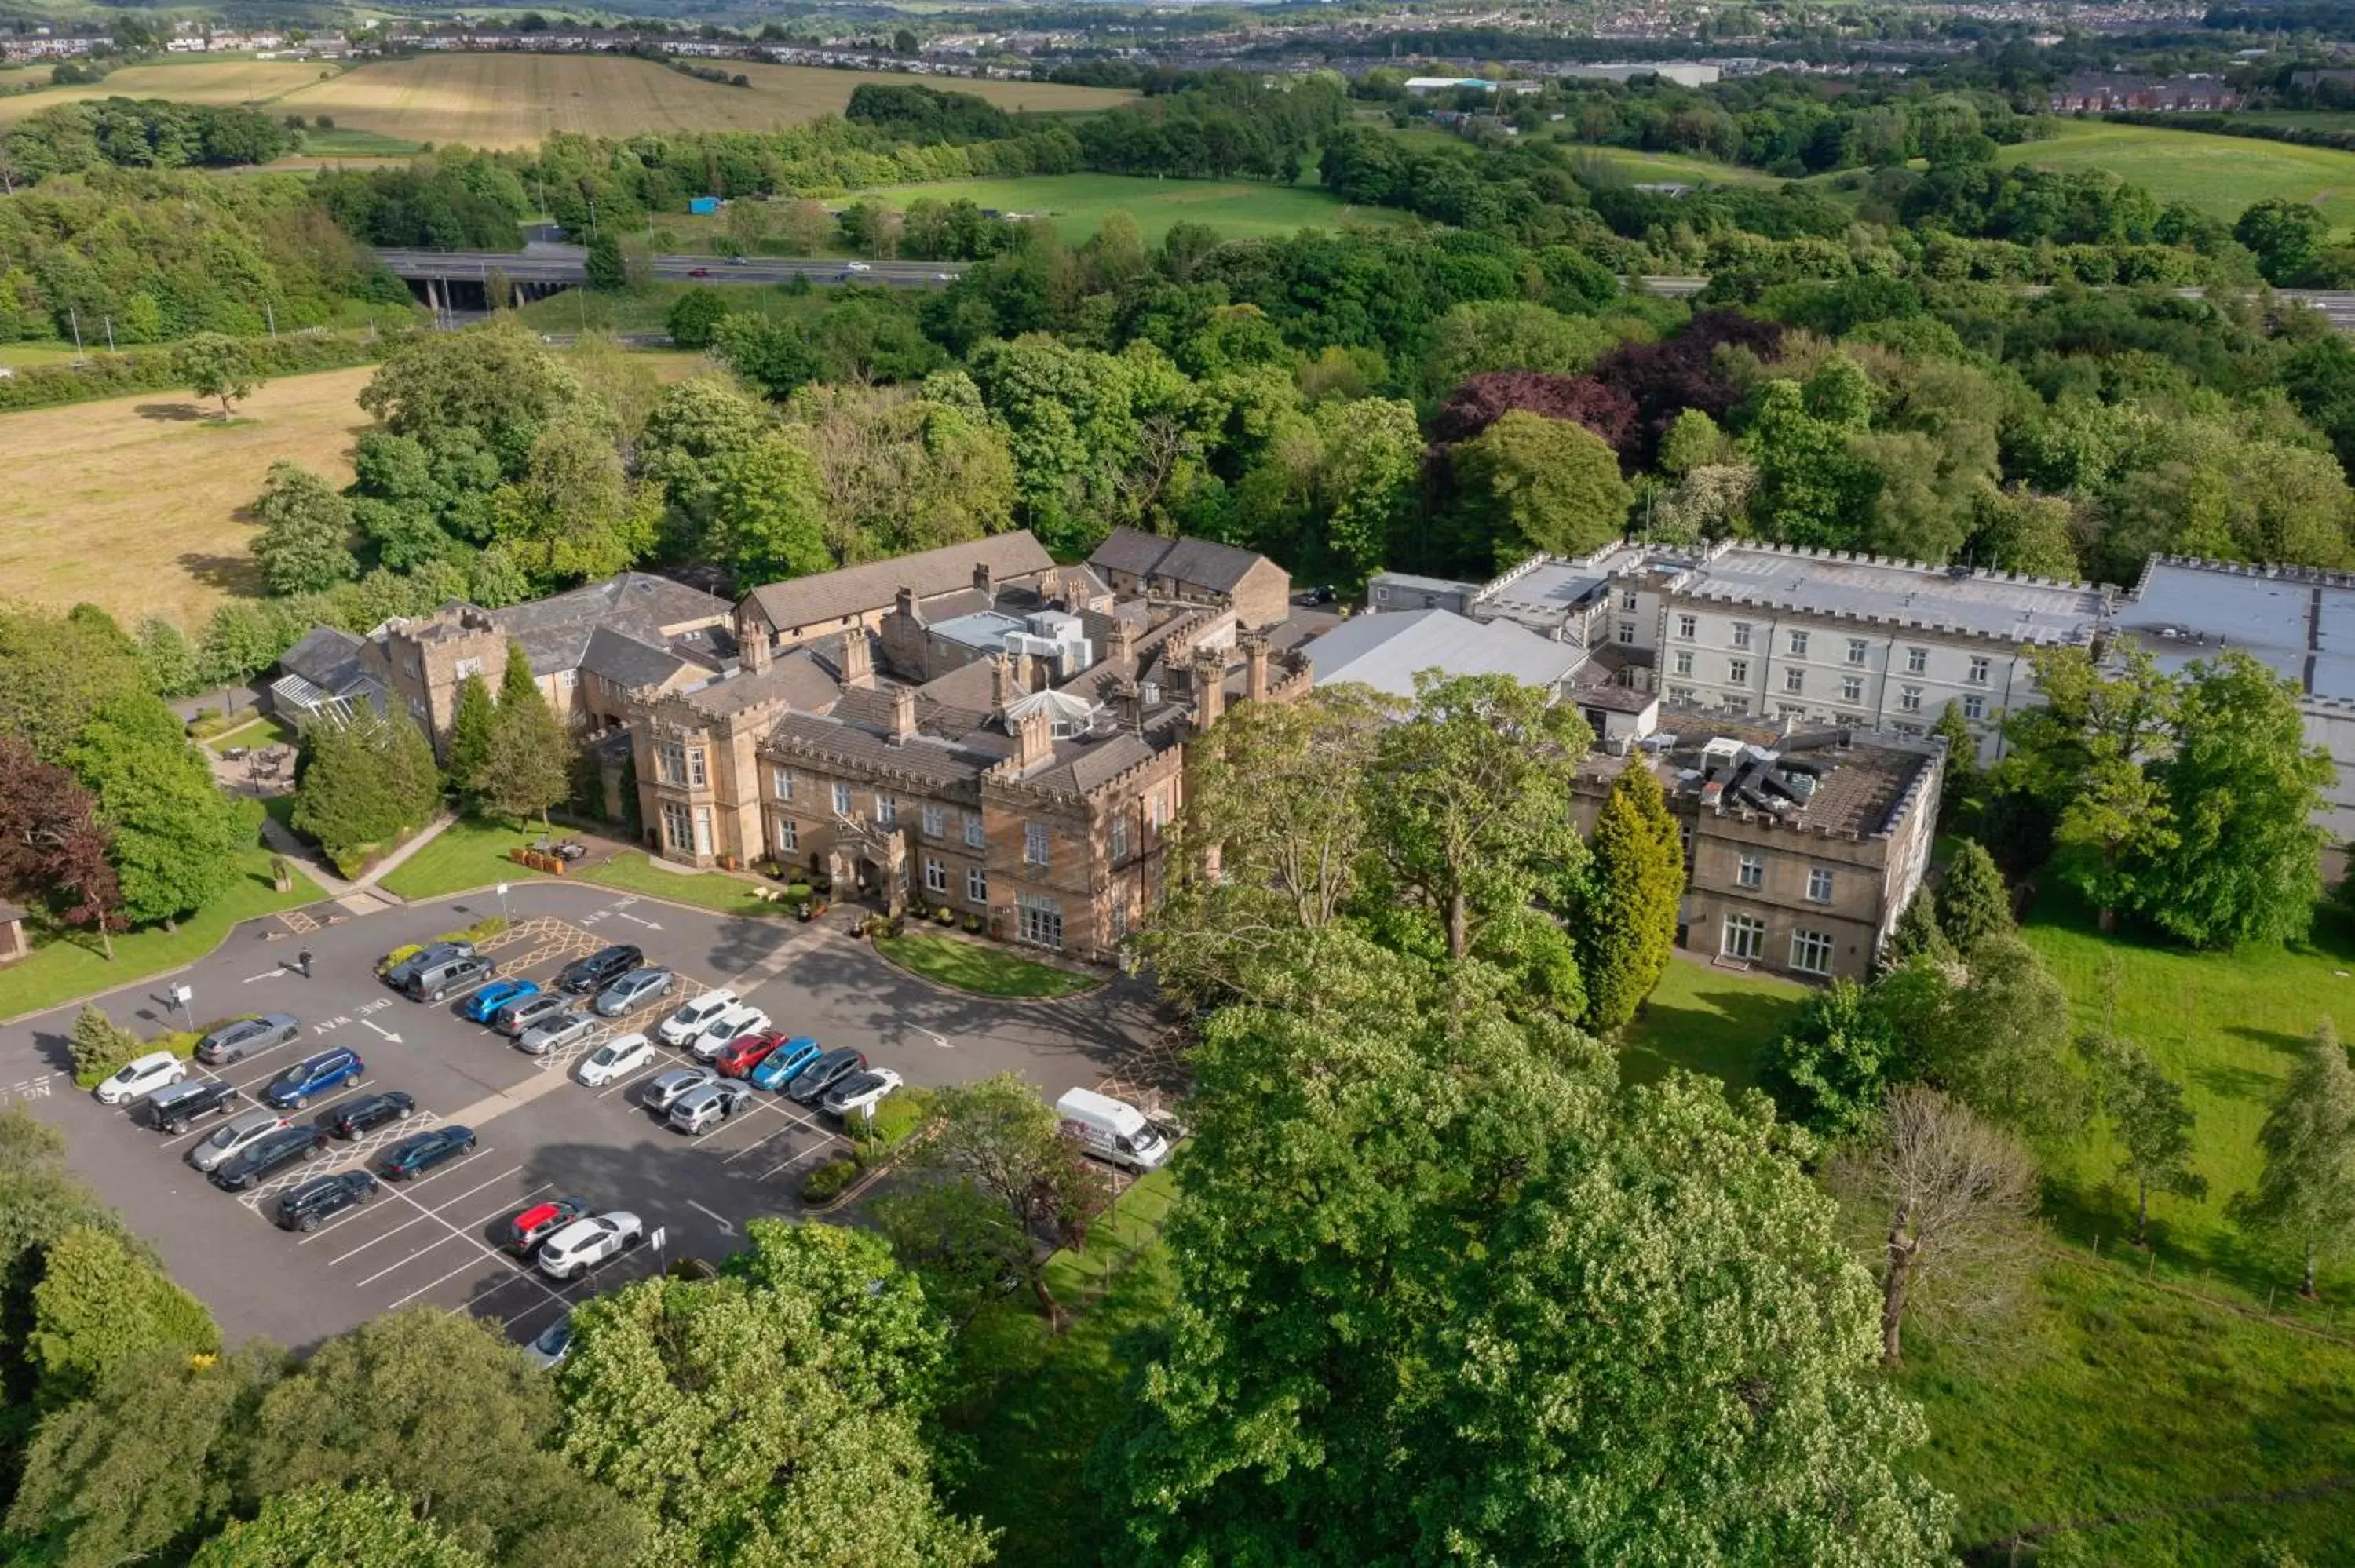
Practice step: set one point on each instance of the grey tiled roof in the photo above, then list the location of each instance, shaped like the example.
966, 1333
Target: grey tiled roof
922, 757
795, 678
326, 657
857, 590
555, 630
1198, 563
626, 662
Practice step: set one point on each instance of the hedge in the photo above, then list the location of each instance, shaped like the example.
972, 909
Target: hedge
482, 930
158, 369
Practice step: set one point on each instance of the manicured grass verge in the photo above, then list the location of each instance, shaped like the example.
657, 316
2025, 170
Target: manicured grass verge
268, 729
1080, 1278
706, 889
62, 967
467, 853
1708, 1021
984, 972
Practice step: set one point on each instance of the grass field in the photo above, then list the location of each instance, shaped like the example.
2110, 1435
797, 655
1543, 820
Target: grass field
2218, 175
513, 99
191, 81
981, 970
1239, 210
1709, 1021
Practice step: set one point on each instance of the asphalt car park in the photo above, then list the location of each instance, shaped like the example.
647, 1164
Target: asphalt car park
540, 1133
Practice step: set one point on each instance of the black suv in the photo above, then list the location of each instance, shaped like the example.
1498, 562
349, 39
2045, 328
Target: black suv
305, 1206
230, 1042
175, 1107
398, 975
270, 1154
598, 969
358, 1116
421, 1152
810, 1085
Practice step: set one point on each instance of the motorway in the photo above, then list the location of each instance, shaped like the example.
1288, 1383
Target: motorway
569, 264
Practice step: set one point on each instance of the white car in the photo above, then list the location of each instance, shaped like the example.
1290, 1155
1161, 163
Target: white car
584, 1243
616, 1059
683, 1025
857, 266
555, 1342
860, 1092
142, 1075
723, 1031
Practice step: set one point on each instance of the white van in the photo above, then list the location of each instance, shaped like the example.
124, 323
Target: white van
1113, 1130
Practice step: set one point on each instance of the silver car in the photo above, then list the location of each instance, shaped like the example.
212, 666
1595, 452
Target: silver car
524, 1012
665, 1091
634, 991
548, 1034
708, 1104
233, 1138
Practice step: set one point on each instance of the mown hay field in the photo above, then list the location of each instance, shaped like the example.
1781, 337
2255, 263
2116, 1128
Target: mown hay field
194, 80
514, 100
2220, 175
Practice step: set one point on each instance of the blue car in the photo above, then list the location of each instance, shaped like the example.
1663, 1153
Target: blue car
498, 994
778, 1068
312, 1076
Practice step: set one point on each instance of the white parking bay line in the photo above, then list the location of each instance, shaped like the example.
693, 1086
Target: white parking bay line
483, 1248
397, 1193
401, 1263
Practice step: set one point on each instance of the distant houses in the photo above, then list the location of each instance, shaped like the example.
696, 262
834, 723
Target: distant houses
2098, 92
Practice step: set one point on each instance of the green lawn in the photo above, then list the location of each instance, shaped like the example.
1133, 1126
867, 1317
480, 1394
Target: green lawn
2220, 175
982, 969
266, 730
1238, 209
1664, 169
467, 853
1708, 1020
63, 968
706, 889
344, 142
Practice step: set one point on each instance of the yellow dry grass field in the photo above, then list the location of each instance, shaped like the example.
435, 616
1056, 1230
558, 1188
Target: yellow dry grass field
513, 100
197, 81
134, 503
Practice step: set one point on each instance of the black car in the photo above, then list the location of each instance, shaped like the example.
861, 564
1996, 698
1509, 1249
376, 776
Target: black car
173, 1109
398, 976
305, 1205
598, 969
232, 1041
414, 1156
270, 1154
809, 1085
358, 1116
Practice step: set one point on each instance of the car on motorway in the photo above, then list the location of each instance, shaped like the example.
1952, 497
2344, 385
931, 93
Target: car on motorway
172, 1110
810, 1085
616, 1058
663, 1089
598, 969
266, 1155
354, 1117
698, 272
587, 1242
857, 266
555, 1342
396, 974
860, 1092
141, 1076
745, 1052
723, 1031
777, 1069
421, 1152
485, 1004
313, 1076
634, 991
306, 1205
690, 1018
528, 1228
229, 1142
708, 1104
233, 1041
740, 261
555, 1031
435, 982
513, 1018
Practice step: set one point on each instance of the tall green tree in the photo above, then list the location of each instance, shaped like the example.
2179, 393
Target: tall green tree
363, 782
2119, 815
1415, 1236
1626, 924
1917, 933
575, 515
772, 1416
2150, 1124
2304, 1194
607, 272
2241, 786
101, 1300
527, 766
1998, 1041
328, 1526
1468, 802
1831, 1069
767, 512
304, 545
1529, 484
216, 365
56, 671
177, 835
471, 723
1973, 901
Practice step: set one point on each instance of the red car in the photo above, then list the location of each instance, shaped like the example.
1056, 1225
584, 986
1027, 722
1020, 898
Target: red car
745, 1052
541, 1220
698, 272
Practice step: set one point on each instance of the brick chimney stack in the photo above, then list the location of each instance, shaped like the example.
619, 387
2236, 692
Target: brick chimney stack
983, 583
1256, 668
1002, 688
903, 712
1034, 738
1120, 644
857, 657
753, 649
1209, 688
1128, 704
906, 601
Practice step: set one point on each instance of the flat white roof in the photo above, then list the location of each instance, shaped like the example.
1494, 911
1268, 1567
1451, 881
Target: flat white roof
2300, 623
1386, 651
2022, 609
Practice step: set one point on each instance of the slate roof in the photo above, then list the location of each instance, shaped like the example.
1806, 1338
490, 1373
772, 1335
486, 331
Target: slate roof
857, 591
327, 657
1197, 562
626, 662
555, 632
924, 757
795, 677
